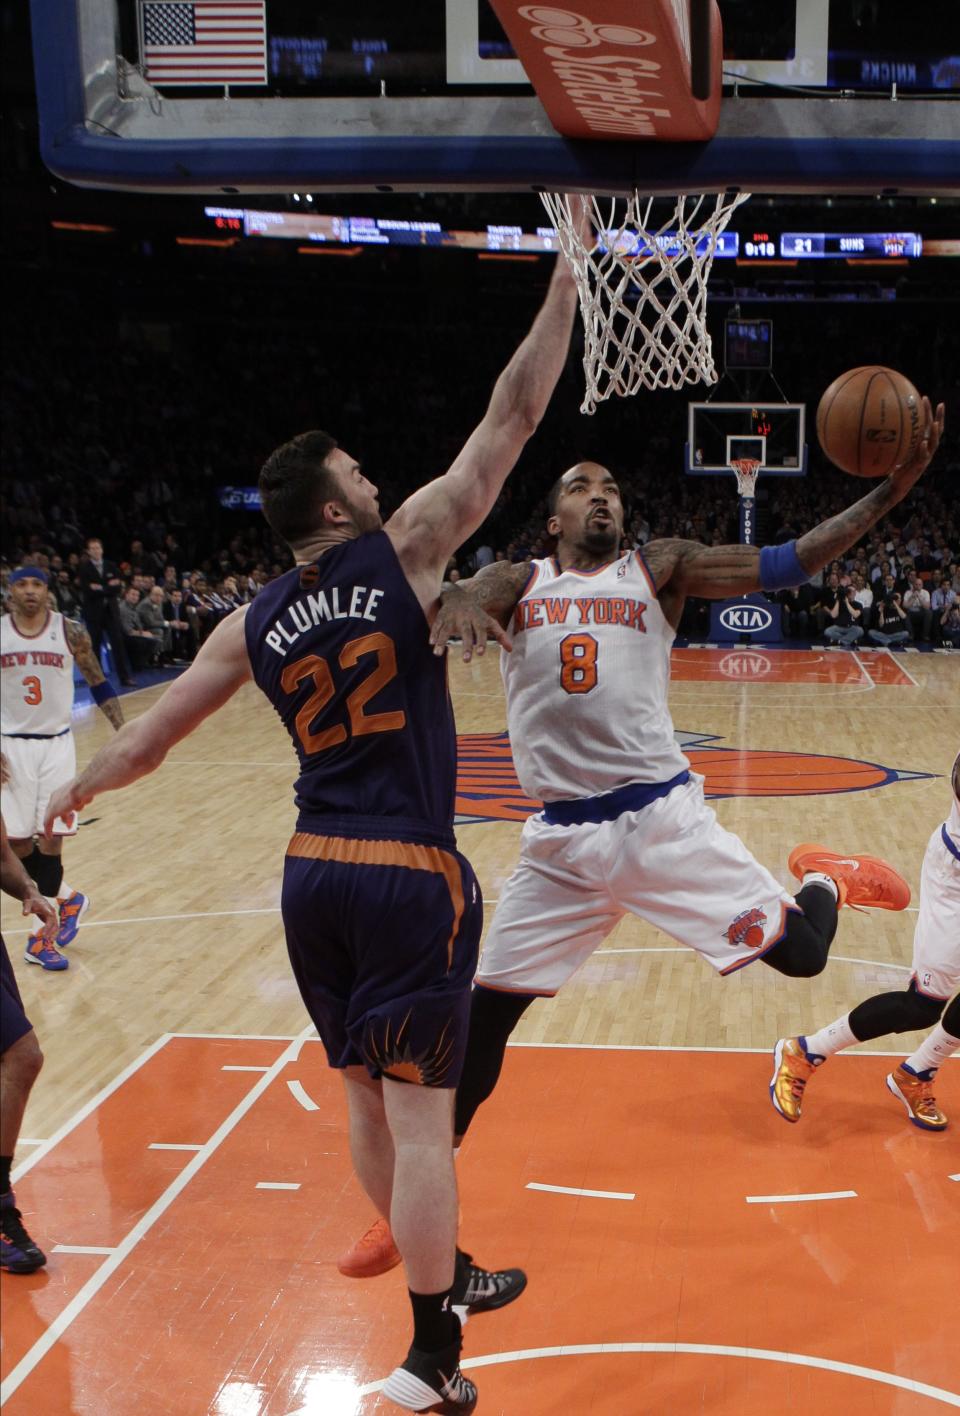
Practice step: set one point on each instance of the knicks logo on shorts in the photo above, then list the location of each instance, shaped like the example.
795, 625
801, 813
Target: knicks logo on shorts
747, 929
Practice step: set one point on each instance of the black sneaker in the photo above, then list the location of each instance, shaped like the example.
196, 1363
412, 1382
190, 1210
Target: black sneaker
18, 1252
431, 1381
480, 1291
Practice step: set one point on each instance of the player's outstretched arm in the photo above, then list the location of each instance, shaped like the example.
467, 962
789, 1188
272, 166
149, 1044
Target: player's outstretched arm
87, 662
219, 669
717, 572
439, 517
15, 881
473, 610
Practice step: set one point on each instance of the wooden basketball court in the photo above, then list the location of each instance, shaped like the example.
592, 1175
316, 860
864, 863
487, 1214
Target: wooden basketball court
185, 1164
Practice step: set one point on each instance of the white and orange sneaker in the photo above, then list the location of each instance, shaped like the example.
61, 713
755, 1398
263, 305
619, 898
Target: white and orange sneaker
373, 1253
915, 1090
860, 880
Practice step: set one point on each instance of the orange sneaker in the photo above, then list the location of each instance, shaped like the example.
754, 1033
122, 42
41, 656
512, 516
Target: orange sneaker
373, 1253
792, 1069
916, 1093
860, 880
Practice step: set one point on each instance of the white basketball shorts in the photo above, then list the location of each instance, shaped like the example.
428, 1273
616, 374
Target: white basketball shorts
671, 863
37, 767
936, 939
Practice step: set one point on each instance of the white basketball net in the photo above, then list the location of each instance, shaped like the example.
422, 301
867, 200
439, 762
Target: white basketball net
643, 289
746, 470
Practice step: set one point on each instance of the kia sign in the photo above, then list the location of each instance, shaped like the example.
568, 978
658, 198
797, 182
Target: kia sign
746, 619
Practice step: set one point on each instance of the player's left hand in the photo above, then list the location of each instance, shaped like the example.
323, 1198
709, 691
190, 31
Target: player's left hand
926, 448
459, 617
63, 804
36, 904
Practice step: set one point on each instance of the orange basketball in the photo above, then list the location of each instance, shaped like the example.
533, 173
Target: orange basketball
870, 420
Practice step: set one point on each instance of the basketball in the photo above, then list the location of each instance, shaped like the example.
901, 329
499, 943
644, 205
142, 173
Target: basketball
870, 421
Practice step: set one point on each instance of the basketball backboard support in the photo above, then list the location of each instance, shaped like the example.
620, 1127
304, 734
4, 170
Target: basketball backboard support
102, 124
774, 433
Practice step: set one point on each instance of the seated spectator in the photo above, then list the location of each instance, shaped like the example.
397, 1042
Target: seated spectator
892, 625
795, 609
138, 642
863, 596
183, 644
66, 595
150, 617
916, 602
950, 626
824, 608
845, 614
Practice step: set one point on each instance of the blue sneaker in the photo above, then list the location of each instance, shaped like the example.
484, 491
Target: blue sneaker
43, 952
18, 1252
72, 910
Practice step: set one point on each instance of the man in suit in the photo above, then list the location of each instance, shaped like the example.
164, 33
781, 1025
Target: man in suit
100, 584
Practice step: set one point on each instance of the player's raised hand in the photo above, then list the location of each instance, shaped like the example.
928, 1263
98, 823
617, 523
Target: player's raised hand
926, 448
459, 617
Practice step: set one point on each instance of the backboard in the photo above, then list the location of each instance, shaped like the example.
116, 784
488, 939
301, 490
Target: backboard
379, 96
773, 433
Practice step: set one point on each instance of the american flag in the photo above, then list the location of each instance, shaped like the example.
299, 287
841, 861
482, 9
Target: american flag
204, 41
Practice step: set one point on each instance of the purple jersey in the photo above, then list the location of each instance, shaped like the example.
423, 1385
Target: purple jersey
340, 647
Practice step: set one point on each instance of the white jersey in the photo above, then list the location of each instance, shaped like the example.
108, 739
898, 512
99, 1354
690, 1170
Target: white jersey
587, 680
36, 683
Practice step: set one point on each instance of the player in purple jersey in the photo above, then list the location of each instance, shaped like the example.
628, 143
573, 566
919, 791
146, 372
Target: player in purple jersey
382, 914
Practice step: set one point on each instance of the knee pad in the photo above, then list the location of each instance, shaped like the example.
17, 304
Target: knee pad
919, 1011
47, 871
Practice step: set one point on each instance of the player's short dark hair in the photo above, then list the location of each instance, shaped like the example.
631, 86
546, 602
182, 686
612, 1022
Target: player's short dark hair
553, 496
295, 481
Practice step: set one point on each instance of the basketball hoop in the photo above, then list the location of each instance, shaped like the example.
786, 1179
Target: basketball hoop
747, 470
643, 289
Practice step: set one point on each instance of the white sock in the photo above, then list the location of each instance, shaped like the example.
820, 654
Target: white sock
833, 1038
64, 892
936, 1047
813, 877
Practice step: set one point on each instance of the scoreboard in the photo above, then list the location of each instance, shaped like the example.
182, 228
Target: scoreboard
872, 245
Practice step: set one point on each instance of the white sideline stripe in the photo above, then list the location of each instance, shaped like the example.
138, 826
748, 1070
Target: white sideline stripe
696, 1349
650, 1047
277, 1185
305, 1100
238, 1067
91, 1288
45, 1147
237, 1037
23, 1141
81, 1249
591, 1194
172, 1146
680, 949
791, 1199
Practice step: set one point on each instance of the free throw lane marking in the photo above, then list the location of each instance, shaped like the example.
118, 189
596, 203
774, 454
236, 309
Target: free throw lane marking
277, 1185
307, 1102
590, 1194
173, 1146
81, 1249
239, 1067
791, 1199
91, 1288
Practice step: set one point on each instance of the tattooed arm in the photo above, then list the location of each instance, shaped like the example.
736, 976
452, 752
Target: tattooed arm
89, 665
681, 568
472, 609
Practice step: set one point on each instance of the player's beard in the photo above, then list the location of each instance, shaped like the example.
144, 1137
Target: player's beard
600, 538
364, 519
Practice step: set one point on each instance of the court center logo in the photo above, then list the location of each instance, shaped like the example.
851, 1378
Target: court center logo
488, 790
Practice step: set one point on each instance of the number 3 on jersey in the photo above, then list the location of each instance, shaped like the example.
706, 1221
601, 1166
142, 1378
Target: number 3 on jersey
317, 669
578, 663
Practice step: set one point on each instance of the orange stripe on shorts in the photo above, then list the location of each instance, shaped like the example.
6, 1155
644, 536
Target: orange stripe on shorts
397, 853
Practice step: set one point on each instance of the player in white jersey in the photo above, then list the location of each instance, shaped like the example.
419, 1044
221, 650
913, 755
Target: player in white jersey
38, 648
625, 826
935, 977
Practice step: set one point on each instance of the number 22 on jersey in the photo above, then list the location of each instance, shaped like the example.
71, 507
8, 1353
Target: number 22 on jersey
313, 667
